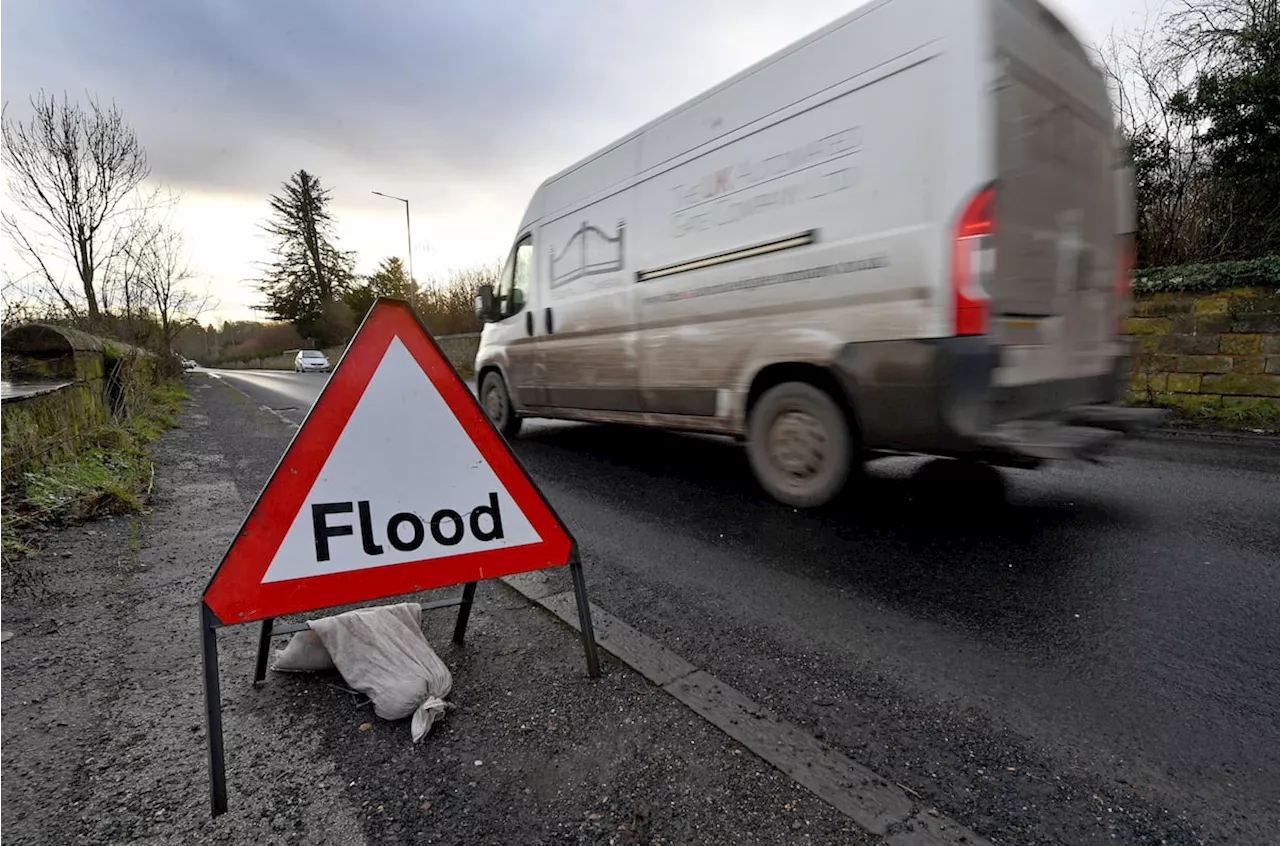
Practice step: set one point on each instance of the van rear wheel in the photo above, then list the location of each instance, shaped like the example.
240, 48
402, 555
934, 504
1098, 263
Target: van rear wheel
799, 445
497, 405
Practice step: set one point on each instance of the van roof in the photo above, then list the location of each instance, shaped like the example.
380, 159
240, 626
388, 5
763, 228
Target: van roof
836, 24
1027, 7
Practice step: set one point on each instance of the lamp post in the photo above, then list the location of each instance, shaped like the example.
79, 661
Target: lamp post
408, 231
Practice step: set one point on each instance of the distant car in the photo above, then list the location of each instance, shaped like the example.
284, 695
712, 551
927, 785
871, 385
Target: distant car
309, 361
188, 364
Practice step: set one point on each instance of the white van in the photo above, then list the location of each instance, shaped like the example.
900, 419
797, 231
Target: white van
907, 232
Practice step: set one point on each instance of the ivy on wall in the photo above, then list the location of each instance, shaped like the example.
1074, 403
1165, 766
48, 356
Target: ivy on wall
1261, 272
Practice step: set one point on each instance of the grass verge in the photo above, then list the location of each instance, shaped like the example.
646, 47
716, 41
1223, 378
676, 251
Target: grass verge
1257, 416
1218, 417
111, 474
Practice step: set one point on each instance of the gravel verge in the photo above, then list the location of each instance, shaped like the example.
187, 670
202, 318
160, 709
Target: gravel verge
103, 722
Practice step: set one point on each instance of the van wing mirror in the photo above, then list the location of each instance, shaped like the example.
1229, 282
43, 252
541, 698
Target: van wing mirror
484, 303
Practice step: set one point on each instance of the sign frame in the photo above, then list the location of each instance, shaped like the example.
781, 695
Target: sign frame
210, 622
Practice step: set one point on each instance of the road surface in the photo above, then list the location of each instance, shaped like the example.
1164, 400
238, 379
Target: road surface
1104, 641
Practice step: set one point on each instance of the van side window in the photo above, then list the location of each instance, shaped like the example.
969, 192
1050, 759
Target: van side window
517, 277
523, 277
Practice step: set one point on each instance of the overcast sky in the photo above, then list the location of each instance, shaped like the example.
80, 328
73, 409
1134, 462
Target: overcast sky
463, 107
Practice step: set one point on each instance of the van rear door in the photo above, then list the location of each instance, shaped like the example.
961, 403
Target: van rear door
1056, 226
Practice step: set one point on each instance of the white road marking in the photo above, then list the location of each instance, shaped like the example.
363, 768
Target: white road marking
851, 788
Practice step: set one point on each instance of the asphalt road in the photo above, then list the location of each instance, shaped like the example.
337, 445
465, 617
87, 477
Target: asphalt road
277, 389
1103, 641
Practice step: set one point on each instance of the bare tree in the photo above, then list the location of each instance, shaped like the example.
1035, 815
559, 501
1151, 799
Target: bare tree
133, 222
1178, 218
70, 170
448, 307
158, 285
1233, 46
1206, 33
13, 303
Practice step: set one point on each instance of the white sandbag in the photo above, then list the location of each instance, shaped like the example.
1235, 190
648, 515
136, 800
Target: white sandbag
383, 653
304, 653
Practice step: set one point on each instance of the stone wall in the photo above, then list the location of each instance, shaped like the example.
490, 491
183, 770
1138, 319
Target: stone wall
61, 384
48, 427
1208, 351
461, 350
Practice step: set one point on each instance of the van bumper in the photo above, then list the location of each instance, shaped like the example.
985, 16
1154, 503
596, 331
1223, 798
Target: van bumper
938, 396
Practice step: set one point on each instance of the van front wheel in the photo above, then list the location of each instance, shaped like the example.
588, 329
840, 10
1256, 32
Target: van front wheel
497, 405
799, 445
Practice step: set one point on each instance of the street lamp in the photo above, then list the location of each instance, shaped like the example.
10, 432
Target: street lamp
407, 230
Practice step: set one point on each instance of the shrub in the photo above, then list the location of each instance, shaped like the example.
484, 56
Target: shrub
1216, 276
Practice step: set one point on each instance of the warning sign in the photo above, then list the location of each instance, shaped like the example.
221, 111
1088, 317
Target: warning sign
395, 483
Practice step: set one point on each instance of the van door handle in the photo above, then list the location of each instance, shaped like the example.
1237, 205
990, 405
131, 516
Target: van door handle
528, 322
551, 326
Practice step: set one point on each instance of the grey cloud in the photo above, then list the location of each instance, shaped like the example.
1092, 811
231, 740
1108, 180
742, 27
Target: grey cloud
461, 105
222, 93
231, 96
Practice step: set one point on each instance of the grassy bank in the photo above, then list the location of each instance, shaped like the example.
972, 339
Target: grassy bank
112, 473
1259, 416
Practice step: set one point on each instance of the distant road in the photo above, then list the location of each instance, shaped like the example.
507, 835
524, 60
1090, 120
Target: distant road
1094, 659
284, 391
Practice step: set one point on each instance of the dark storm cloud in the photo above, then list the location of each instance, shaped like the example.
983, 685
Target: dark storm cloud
232, 96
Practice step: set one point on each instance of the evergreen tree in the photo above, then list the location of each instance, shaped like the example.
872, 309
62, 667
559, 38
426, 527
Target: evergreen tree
1235, 105
305, 283
389, 280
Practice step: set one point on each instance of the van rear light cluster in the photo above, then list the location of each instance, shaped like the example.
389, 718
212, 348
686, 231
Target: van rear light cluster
973, 263
1126, 259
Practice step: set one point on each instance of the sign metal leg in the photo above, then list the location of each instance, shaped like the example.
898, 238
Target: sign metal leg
264, 652
213, 711
584, 618
464, 612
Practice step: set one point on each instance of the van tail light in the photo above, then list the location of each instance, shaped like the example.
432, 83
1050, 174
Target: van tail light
1126, 259
973, 263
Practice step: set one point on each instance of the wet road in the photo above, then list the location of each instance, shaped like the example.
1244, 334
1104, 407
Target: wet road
1103, 642
280, 390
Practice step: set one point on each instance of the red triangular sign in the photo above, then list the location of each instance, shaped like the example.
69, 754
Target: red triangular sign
395, 483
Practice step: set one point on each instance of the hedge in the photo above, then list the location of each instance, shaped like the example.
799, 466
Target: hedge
1216, 276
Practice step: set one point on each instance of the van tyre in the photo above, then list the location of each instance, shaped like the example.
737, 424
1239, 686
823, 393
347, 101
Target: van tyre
799, 444
497, 405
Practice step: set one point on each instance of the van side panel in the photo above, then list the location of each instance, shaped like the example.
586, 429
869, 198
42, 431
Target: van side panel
587, 324
838, 142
